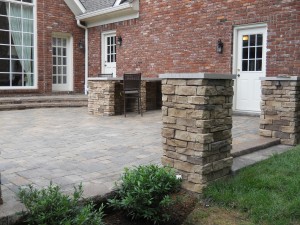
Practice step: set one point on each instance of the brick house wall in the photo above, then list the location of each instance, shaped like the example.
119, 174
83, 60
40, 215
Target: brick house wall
181, 36
54, 16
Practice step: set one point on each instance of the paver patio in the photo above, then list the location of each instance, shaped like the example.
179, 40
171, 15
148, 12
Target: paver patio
69, 146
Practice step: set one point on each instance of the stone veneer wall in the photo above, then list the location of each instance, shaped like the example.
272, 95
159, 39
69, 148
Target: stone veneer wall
197, 122
280, 109
101, 99
105, 98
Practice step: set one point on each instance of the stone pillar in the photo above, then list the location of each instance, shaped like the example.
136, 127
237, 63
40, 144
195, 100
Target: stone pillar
101, 98
197, 122
280, 109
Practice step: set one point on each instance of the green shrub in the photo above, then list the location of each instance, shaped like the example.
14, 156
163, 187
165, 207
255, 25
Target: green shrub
49, 206
144, 192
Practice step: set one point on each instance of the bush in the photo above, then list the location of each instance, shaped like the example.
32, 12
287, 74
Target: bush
144, 192
49, 206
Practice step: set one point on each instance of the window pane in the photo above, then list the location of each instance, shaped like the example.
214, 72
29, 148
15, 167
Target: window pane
251, 65
17, 80
4, 23
27, 25
64, 42
252, 53
259, 39
64, 79
108, 41
16, 38
4, 79
245, 53
258, 65
54, 60
16, 24
4, 37
54, 51
59, 61
245, 40
27, 12
64, 52
108, 50
59, 79
15, 10
4, 51
259, 52
245, 65
3, 8
58, 70
252, 40
4, 65
54, 80
53, 70
27, 52
29, 1
64, 70
64, 61
54, 41
27, 39
58, 41
59, 51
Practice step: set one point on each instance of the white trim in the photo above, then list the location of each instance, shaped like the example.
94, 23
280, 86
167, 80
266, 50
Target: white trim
103, 47
35, 49
236, 29
70, 61
76, 7
113, 14
197, 76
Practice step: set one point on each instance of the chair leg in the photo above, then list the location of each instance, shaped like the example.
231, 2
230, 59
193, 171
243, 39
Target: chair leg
124, 105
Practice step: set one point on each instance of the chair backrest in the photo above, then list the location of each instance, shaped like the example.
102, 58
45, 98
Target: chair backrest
105, 75
132, 81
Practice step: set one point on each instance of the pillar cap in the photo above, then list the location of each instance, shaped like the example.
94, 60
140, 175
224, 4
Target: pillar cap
287, 78
197, 76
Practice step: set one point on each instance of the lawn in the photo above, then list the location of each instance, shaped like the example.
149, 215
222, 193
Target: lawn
268, 192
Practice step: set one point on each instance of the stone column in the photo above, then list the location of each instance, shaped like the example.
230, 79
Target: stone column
280, 109
197, 122
101, 98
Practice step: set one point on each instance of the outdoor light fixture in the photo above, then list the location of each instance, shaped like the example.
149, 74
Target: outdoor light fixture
119, 40
220, 46
81, 44
278, 84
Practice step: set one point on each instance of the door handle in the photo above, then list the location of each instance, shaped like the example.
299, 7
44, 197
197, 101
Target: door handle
238, 75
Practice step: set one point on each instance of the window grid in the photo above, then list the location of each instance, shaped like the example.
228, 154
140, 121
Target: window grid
111, 49
252, 52
14, 74
59, 57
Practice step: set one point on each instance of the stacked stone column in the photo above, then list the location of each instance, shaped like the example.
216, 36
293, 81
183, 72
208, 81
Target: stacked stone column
280, 109
101, 99
197, 123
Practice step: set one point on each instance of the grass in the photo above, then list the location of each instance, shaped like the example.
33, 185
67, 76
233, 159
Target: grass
268, 192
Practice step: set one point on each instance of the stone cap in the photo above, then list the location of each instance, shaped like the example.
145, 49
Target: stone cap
286, 78
121, 78
197, 76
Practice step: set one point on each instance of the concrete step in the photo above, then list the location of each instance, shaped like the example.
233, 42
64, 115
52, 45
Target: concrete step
252, 145
17, 103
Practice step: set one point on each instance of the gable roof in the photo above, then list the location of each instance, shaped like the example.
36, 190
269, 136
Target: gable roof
94, 5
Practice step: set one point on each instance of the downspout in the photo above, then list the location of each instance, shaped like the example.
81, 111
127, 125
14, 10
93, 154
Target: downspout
86, 57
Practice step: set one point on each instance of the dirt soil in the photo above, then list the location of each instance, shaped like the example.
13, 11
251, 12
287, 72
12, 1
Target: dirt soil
184, 205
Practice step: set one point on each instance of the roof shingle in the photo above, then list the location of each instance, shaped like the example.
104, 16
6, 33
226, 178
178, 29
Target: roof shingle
94, 5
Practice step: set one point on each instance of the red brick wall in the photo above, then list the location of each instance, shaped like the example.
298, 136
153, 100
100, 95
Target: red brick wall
54, 16
181, 36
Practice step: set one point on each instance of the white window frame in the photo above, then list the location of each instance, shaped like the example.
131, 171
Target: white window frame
35, 63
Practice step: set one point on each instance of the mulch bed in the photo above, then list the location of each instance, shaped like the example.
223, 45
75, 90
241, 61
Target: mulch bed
184, 205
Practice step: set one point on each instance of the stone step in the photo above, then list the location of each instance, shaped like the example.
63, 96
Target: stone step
16, 103
253, 145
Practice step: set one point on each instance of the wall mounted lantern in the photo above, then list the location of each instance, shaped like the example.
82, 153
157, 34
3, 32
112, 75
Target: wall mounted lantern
119, 40
220, 46
81, 44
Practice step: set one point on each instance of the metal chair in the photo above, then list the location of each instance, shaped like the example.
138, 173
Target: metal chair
132, 90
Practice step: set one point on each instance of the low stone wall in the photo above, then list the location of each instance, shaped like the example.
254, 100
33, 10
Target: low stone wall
197, 123
280, 109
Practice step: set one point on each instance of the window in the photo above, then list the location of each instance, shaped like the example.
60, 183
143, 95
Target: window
16, 43
252, 52
59, 59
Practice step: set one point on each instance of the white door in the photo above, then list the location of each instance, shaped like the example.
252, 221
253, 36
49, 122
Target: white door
109, 53
62, 72
251, 65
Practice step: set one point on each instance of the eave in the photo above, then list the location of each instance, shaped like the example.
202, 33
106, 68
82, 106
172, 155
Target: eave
111, 15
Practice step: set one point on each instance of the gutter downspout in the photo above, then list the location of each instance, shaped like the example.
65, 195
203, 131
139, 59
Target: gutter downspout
86, 57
